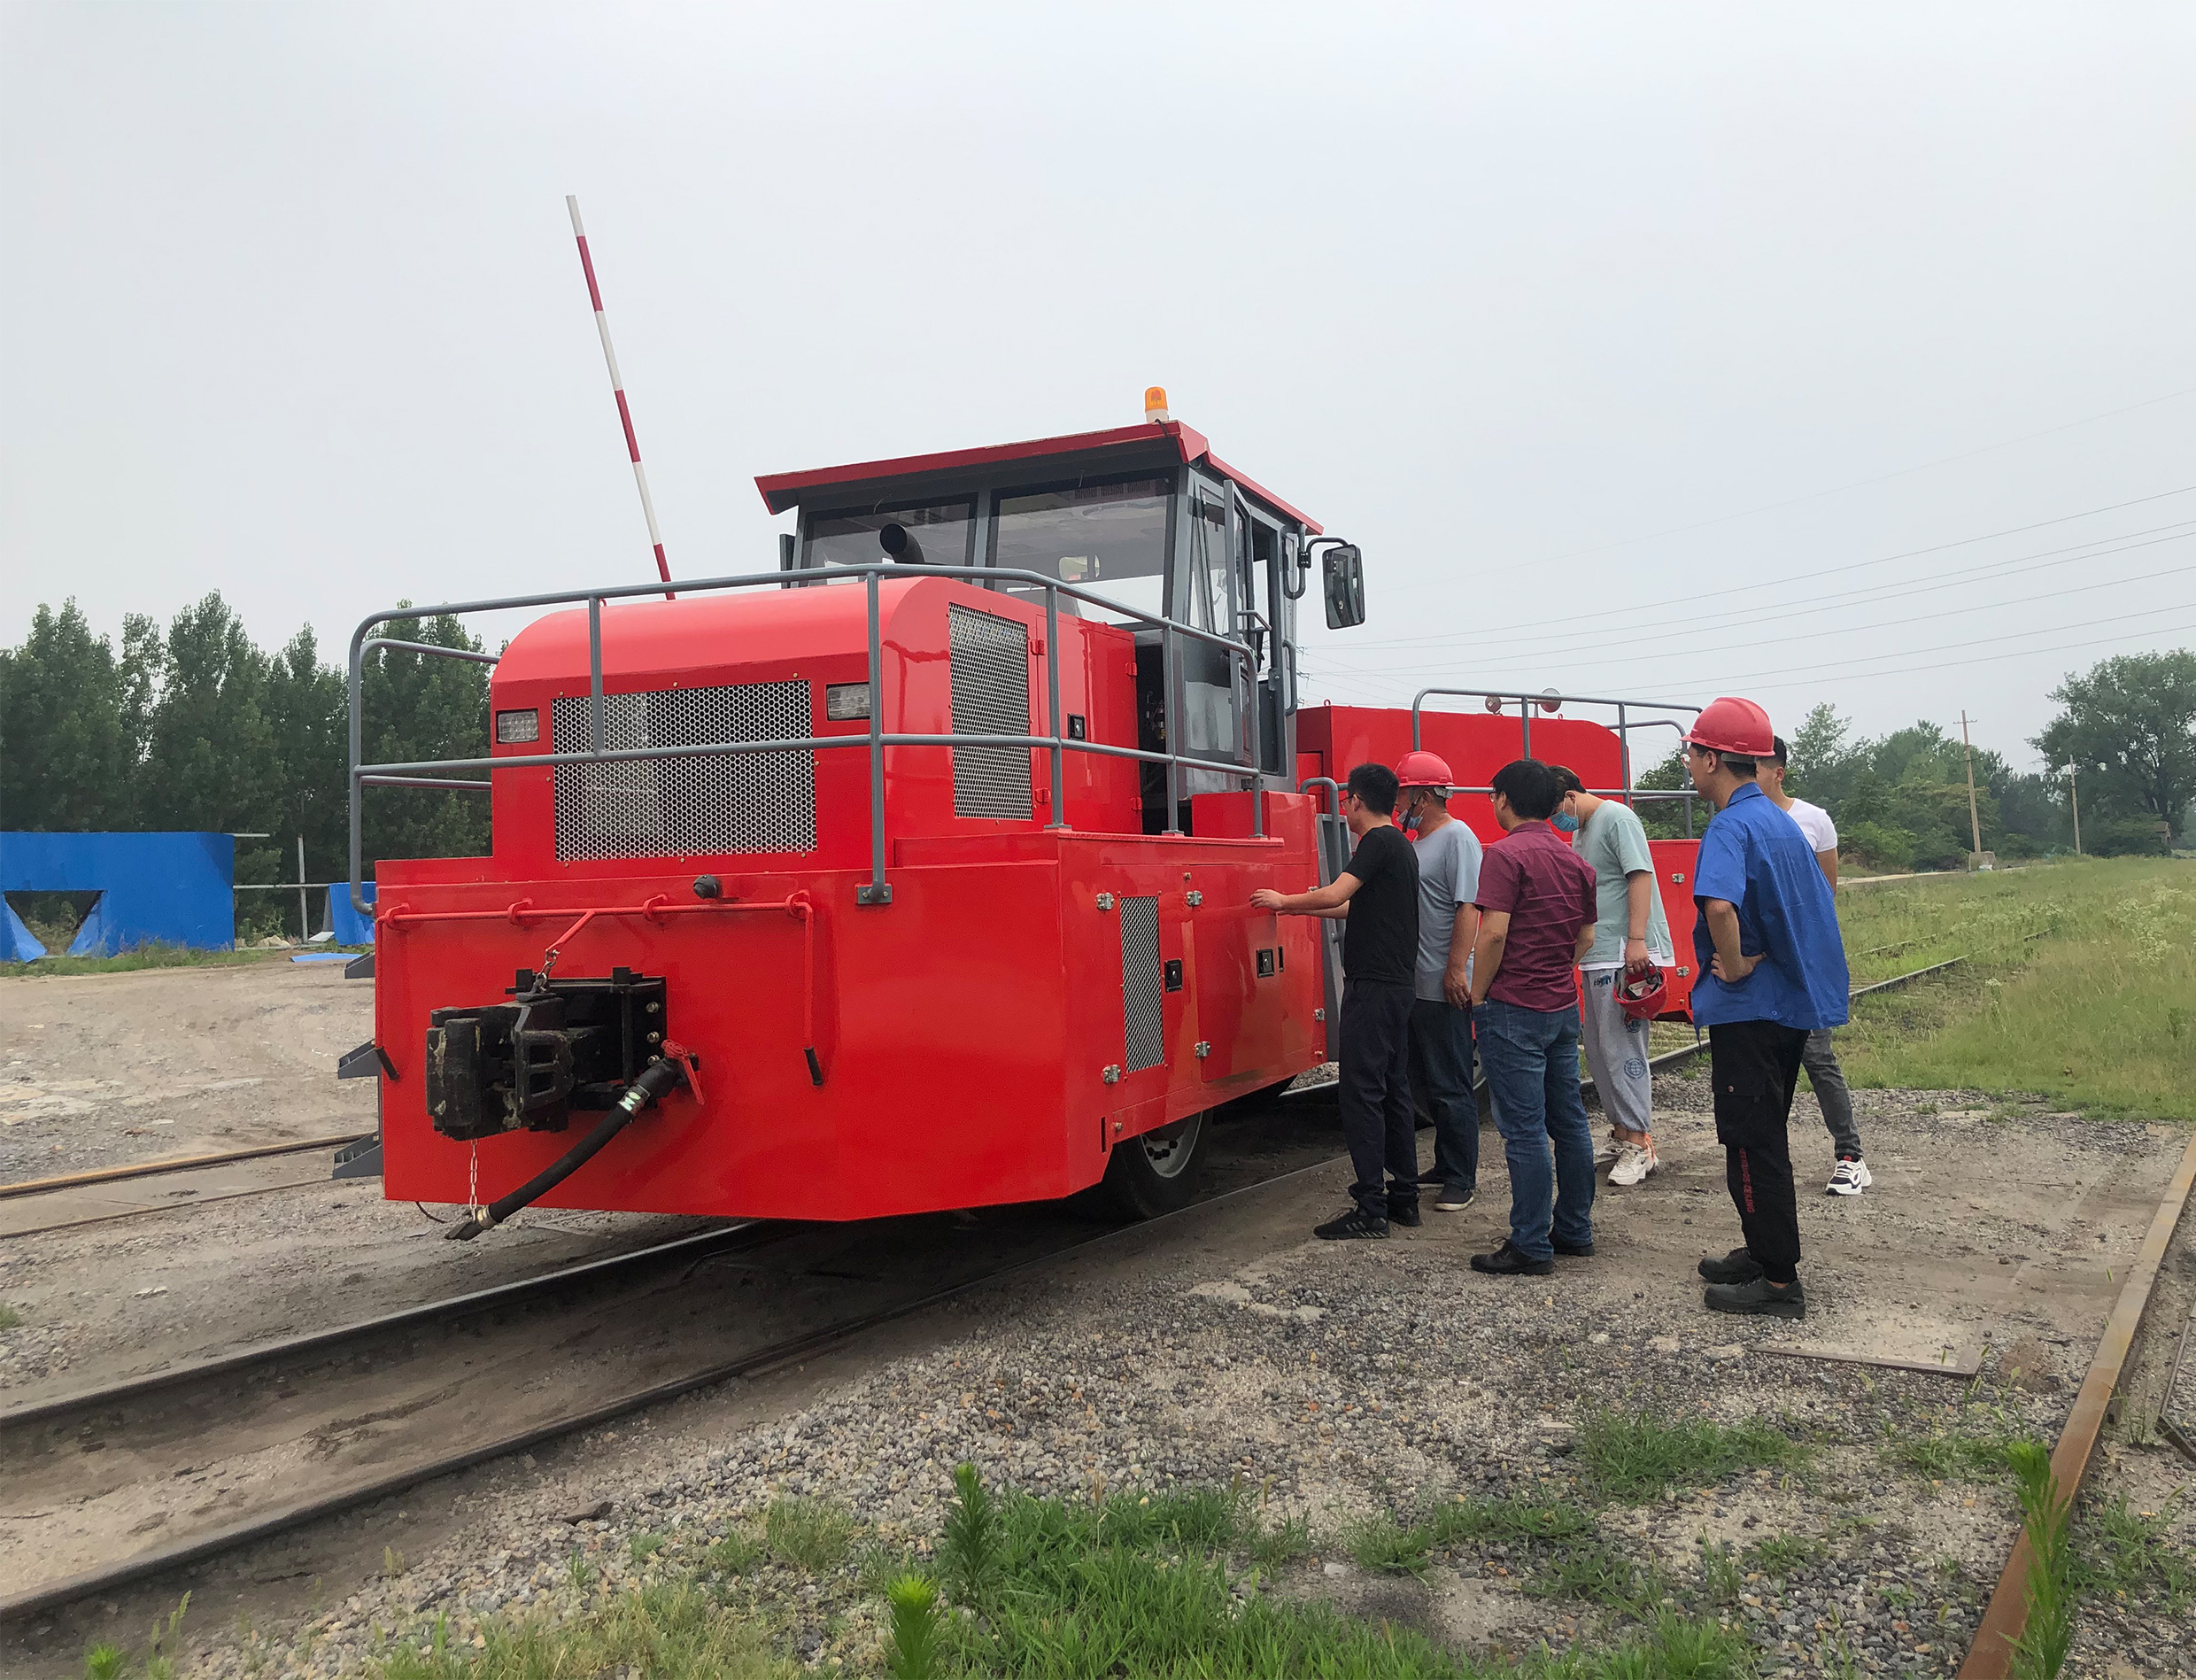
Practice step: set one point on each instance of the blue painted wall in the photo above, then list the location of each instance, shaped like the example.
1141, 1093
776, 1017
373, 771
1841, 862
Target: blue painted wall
163, 889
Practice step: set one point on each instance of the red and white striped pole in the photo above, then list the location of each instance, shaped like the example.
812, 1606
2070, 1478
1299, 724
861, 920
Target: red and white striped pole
617, 390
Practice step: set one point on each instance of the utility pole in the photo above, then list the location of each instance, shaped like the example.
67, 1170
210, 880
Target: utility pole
1975, 821
2074, 798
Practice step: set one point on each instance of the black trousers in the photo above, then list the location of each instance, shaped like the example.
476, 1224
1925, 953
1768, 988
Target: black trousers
1755, 1069
1377, 1122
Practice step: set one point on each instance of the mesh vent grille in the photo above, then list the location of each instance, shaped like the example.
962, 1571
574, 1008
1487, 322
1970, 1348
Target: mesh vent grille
1143, 995
990, 697
671, 807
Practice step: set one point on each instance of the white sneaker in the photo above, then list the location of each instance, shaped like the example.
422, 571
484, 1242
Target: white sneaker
1606, 1152
1850, 1178
1634, 1162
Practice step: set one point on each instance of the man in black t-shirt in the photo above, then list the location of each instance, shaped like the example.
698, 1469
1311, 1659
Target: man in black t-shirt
1378, 895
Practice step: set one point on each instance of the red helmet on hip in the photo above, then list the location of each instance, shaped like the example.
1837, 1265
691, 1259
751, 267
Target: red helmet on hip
1643, 995
1728, 724
1422, 768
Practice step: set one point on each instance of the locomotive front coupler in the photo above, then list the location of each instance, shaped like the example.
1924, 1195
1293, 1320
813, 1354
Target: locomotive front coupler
657, 1081
558, 1045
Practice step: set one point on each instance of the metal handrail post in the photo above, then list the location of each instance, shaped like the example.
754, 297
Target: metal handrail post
594, 671
1525, 723
877, 892
1171, 674
1624, 754
1052, 704
1257, 753
358, 750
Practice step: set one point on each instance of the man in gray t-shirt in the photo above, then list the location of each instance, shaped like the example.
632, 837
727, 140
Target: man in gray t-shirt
1630, 931
1441, 1012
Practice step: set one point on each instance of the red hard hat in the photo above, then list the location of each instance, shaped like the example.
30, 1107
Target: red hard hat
1731, 725
1422, 768
1643, 995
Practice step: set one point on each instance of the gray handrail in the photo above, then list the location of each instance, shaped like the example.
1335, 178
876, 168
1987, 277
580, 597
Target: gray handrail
877, 890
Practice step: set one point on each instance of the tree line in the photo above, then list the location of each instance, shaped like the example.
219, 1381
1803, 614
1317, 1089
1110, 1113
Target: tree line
2127, 726
194, 726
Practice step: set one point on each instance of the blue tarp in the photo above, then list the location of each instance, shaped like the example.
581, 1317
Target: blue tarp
349, 926
154, 889
18, 943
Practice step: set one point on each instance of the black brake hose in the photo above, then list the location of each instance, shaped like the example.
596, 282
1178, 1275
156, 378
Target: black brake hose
657, 1081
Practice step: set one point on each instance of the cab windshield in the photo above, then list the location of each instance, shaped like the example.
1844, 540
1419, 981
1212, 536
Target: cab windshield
1110, 539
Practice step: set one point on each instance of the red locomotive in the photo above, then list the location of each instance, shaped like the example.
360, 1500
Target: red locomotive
915, 874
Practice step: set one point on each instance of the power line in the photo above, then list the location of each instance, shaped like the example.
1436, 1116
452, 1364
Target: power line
1664, 655
1861, 484
1832, 572
2044, 560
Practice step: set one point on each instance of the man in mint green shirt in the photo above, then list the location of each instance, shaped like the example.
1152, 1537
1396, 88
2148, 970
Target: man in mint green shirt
1630, 931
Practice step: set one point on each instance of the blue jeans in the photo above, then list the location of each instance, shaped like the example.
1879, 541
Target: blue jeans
1441, 1083
1531, 1058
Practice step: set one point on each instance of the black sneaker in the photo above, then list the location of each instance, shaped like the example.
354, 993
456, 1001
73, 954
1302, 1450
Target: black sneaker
1431, 1179
1509, 1261
1576, 1251
1356, 1222
1404, 1213
1760, 1298
1739, 1266
1454, 1198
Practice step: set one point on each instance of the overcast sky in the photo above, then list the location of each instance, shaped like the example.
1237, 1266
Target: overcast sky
1618, 337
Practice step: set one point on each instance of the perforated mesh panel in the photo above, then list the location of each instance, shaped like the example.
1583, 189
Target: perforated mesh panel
990, 697
1143, 997
711, 802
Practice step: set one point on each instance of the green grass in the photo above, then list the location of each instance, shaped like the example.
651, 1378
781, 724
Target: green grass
1405, 1548
809, 1534
1134, 1584
2129, 1555
1782, 1554
2078, 988
10, 1318
143, 956
1638, 1456
1959, 1455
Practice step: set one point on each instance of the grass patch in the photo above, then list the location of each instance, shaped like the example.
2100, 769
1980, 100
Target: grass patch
1272, 1548
809, 1534
1634, 1457
1400, 1548
675, 1631
2076, 986
10, 1318
2129, 1555
1782, 1554
143, 956
1139, 1585
1958, 1455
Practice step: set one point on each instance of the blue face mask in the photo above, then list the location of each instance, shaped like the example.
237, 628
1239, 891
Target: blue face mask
1564, 823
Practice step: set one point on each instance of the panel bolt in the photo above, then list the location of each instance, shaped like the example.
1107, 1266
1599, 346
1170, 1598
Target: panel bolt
1203, 1050
1104, 900
1320, 1015
1194, 897
1111, 1076
655, 1038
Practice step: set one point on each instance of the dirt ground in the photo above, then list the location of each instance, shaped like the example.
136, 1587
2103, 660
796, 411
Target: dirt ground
100, 1069
1987, 1228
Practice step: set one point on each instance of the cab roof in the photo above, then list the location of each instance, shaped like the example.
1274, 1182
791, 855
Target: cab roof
1124, 446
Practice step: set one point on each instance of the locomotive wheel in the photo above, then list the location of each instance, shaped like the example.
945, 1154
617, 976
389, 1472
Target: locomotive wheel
1156, 1173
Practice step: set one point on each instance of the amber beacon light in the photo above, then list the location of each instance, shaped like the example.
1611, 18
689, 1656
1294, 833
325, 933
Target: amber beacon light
1155, 406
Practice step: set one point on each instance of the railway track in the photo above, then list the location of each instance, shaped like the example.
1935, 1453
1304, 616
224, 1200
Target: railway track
212, 1457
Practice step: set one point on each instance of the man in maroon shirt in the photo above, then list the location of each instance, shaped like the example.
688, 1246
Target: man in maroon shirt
1537, 908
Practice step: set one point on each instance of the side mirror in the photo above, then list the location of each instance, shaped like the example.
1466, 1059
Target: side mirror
1343, 575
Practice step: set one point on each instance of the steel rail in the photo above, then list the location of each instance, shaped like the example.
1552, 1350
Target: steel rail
406, 1318
759, 1362
173, 1164
2006, 1617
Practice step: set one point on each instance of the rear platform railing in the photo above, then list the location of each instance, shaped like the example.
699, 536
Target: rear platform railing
435, 773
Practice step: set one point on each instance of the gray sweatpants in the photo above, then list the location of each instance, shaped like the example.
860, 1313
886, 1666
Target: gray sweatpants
1829, 1079
1616, 1053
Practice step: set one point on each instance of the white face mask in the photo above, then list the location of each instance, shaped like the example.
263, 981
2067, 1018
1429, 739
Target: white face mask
1407, 819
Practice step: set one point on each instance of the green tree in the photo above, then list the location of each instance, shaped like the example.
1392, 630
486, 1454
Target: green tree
2130, 725
67, 756
419, 706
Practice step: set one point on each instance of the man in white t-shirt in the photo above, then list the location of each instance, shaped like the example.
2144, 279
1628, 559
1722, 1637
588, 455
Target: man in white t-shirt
1441, 1013
1630, 931
1851, 1175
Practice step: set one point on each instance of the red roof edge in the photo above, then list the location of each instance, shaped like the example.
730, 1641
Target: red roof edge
781, 490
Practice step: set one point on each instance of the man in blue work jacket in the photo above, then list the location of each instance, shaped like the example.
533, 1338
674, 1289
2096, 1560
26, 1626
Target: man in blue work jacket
1771, 970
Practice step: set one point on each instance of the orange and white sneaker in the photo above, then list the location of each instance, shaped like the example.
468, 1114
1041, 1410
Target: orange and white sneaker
1634, 1162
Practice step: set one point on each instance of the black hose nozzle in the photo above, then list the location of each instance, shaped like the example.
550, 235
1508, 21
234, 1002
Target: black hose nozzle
657, 1081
